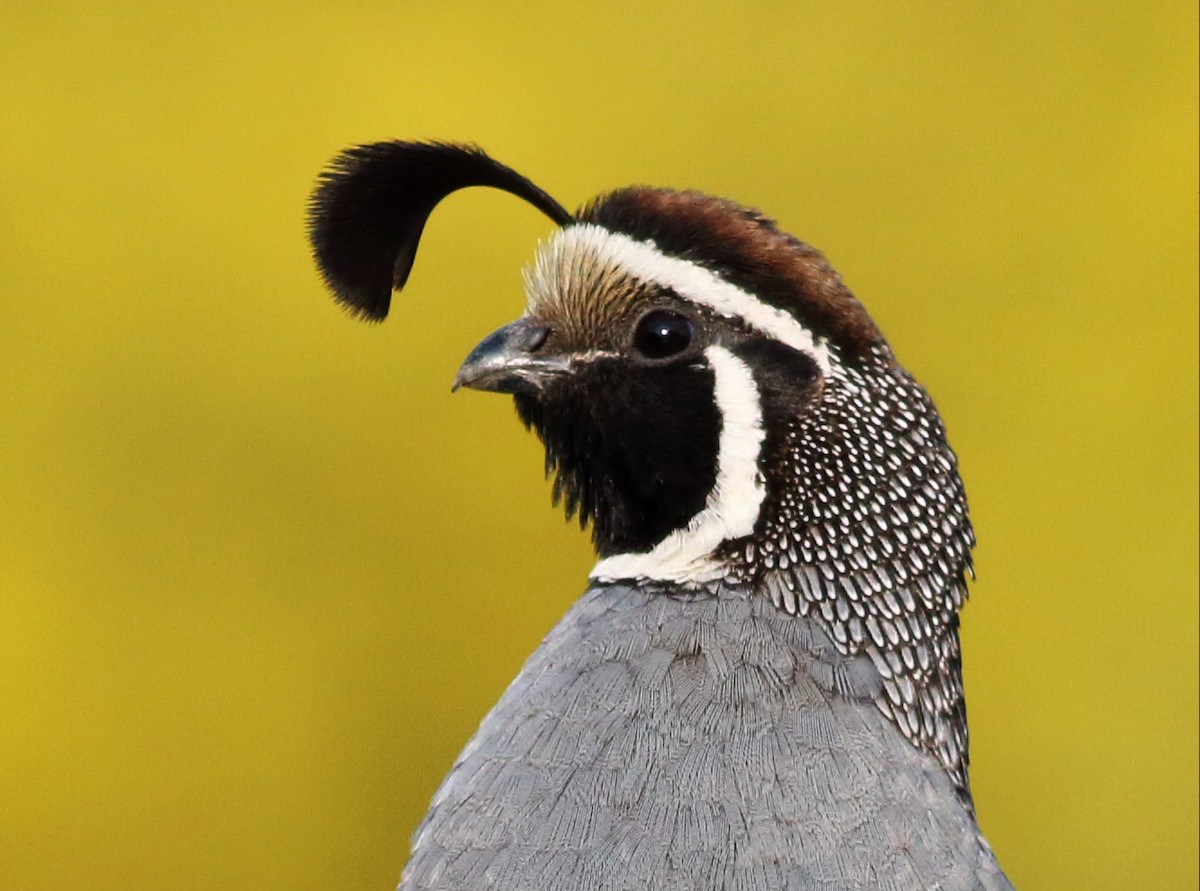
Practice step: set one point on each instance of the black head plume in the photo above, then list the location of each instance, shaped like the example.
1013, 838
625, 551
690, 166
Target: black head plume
367, 212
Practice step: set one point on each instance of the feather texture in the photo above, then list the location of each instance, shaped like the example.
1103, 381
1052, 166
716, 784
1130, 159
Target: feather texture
705, 741
369, 208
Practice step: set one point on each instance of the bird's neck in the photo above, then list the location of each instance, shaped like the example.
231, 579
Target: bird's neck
871, 540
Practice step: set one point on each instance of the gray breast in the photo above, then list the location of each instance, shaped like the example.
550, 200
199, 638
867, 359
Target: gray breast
669, 741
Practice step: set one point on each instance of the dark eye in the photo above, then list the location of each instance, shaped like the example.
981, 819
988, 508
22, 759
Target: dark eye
661, 333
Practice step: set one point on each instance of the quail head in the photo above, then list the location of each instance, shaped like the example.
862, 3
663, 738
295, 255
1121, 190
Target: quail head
761, 687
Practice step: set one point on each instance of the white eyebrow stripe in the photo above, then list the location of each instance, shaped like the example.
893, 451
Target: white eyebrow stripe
731, 509
644, 261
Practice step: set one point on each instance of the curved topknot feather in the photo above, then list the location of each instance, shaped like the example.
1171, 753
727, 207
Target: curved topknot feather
367, 212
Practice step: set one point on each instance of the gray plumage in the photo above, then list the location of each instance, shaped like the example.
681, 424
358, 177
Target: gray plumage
762, 688
659, 741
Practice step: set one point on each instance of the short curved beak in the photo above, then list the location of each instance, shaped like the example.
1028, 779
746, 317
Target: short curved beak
508, 361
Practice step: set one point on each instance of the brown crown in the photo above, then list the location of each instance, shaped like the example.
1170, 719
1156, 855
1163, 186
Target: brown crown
745, 248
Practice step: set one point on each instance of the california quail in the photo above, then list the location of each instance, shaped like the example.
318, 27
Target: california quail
761, 687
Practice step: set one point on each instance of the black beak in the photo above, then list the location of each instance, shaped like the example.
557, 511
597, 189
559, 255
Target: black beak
508, 361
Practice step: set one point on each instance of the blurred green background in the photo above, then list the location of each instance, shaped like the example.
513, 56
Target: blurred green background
261, 575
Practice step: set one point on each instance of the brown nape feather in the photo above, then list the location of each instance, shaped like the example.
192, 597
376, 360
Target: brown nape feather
748, 250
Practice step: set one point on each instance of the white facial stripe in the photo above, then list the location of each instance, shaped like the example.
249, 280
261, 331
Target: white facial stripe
592, 356
691, 281
732, 507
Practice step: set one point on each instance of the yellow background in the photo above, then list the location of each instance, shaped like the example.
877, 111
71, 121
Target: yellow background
261, 575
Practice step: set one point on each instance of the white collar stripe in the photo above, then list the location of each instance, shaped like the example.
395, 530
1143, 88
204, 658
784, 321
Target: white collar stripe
732, 507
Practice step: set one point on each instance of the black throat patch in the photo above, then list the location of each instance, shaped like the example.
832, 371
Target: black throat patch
632, 449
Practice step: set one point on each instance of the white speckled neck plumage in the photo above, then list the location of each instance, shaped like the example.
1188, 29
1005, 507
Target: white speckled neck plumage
864, 526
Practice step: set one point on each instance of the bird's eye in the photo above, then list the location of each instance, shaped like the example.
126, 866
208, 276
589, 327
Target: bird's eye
661, 333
